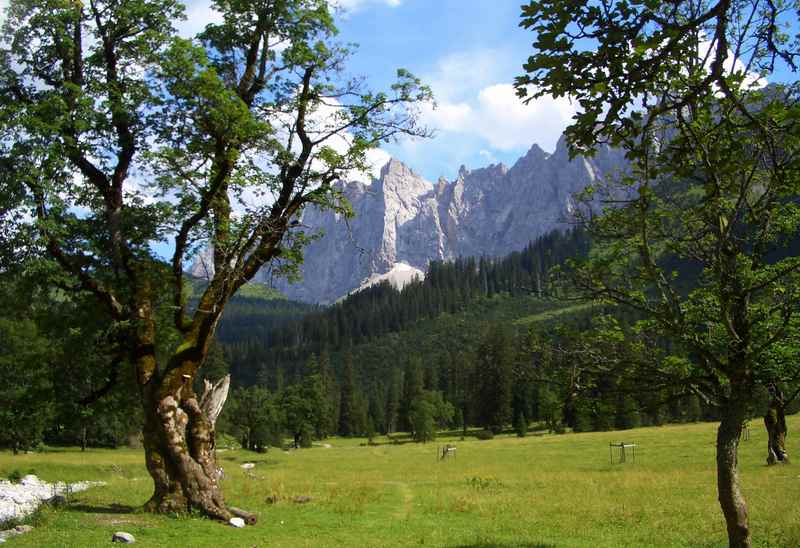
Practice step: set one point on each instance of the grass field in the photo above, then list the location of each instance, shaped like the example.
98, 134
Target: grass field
536, 491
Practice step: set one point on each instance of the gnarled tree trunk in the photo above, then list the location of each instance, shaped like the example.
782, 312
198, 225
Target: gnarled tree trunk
179, 447
179, 427
731, 500
775, 422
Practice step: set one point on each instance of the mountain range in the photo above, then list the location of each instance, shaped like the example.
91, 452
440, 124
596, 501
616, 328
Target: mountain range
402, 221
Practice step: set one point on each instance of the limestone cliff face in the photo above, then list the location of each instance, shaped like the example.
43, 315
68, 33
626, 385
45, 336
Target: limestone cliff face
402, 219
395, 223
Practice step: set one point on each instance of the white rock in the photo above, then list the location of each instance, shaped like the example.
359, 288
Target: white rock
399, 276
249, 465
30, 479
123, 537
237, 522
18, 530
18, 500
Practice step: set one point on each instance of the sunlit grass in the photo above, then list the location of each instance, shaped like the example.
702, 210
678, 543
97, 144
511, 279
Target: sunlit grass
549, 315
540, 490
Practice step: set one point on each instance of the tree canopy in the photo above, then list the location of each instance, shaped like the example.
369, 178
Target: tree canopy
119, 137
712, 192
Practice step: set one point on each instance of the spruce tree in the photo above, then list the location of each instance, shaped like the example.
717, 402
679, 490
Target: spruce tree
494, 373
413, 385
393, 402
348, 419
521, 425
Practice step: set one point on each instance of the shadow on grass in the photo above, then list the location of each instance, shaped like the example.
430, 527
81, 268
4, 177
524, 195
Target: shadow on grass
92, 509
505, 545
472, 433
258, 459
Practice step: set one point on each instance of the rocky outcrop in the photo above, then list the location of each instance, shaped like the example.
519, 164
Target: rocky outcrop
18, 500
402, 219
395, 229
403, 222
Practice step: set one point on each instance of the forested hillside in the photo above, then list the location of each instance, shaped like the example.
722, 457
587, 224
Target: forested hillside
492, 343
252, 345
481, 342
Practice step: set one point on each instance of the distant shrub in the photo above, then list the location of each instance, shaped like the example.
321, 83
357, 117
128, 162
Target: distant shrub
521, 425
15, 476
484, 435
484, 484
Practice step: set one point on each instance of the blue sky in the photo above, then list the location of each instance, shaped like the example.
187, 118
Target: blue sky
469, 52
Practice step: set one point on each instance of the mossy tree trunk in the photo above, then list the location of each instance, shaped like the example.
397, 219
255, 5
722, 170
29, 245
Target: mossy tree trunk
179, 450
775, 422
179, 429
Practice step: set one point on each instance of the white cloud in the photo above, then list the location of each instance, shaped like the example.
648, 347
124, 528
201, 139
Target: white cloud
501, 119
487, 155
324, 119
732, 65
457, 76
350, 6
199, 13
376, 158
474, 100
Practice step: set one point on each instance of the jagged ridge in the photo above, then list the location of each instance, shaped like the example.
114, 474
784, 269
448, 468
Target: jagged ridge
402, 218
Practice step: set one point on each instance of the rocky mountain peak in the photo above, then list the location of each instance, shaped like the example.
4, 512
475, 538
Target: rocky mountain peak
402, 221
396, 168
533, 161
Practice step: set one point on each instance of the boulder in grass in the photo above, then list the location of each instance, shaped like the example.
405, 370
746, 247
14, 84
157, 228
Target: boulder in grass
124, 538
57, 500
236, 522
273, 499
249, 465
18, 530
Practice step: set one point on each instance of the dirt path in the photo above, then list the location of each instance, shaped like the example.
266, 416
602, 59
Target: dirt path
407, 499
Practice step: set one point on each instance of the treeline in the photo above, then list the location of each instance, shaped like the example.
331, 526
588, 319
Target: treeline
567, 369
490, 343
57, 385
487, 343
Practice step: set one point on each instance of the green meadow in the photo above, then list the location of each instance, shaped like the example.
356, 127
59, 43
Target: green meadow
541, 490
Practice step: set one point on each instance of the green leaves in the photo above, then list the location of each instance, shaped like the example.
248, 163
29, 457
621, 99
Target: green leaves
697, 240
119, 138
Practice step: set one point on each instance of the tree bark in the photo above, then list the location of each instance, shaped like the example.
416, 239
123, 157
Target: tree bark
179, 451
249, 519
775, 422
731, 500
213, 399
